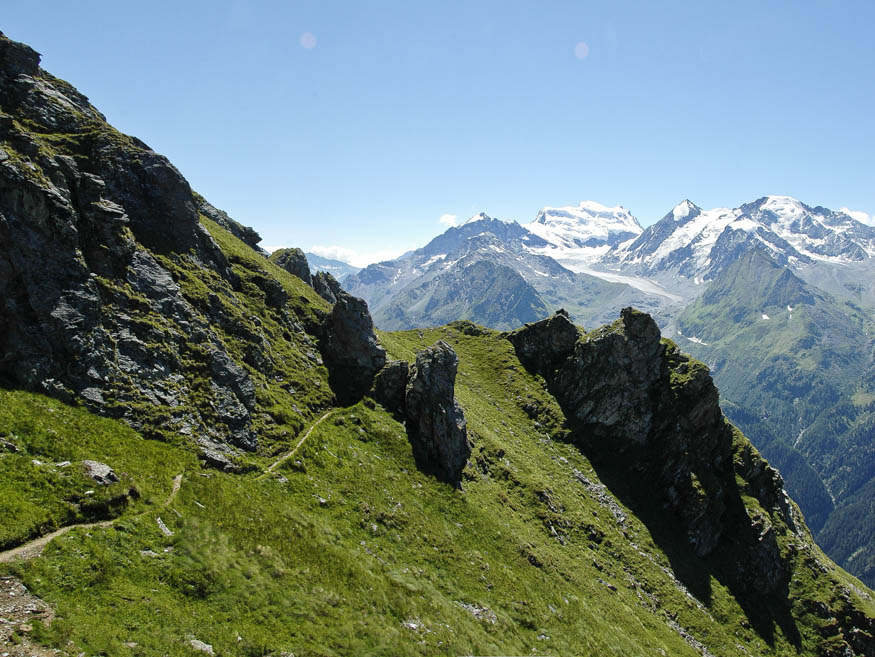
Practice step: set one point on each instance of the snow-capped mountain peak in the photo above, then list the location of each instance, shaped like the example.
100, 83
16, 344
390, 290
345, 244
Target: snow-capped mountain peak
584, 231
684, 209
785, 207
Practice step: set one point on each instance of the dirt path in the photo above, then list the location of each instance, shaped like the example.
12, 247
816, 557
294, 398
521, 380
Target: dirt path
177, 482
35, 547
285, 457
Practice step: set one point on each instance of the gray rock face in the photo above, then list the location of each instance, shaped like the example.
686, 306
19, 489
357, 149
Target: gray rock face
215, 455
608, 381
326, 286
293, 261
543, 345
390, 386
18, 58
436, 425
350, 348
639, 405
87, 309
101, 473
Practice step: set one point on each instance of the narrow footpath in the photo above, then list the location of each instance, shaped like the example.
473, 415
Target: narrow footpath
34, 548
285, 457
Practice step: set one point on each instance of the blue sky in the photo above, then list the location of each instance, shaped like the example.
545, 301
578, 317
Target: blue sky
358, 125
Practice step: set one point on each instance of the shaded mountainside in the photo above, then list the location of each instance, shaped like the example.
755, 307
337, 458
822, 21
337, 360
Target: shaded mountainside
285, 481
484, 292
795, 365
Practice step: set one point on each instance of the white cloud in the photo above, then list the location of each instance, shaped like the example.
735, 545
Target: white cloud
448, 219
860, 216
353, 257
334, 252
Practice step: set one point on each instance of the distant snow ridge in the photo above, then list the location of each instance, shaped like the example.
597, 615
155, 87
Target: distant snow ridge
697, 243
580, 234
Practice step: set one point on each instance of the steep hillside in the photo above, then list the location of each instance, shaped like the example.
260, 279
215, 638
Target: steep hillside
119, 291
795, 365
271, 477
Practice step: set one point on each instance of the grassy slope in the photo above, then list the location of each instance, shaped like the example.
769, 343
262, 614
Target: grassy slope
351, 550
39, 492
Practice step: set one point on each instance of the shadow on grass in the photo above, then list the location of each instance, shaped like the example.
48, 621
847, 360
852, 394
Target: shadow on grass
727, 563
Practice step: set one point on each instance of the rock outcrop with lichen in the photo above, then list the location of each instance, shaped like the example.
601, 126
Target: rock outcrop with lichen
630, 396
436, 425
351, 349
649, 416
293, 261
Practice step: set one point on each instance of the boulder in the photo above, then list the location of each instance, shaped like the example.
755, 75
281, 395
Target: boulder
436, 426
101, 473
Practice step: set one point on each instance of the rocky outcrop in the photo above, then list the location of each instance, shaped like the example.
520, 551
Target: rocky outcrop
326, 286
633, 401
293, 261
436, 425
390, 386
90, 222
607, 382
352, 353
543, 345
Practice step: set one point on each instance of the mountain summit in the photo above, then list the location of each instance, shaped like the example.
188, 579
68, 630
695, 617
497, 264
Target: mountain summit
588, 229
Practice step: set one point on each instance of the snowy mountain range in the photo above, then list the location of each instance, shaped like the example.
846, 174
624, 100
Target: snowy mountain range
697, 244
584, 232
591, 245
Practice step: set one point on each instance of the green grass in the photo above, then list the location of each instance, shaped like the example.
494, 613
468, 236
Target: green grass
356, 552
39, 492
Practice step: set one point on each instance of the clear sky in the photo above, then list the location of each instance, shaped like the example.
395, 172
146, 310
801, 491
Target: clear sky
359, 125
